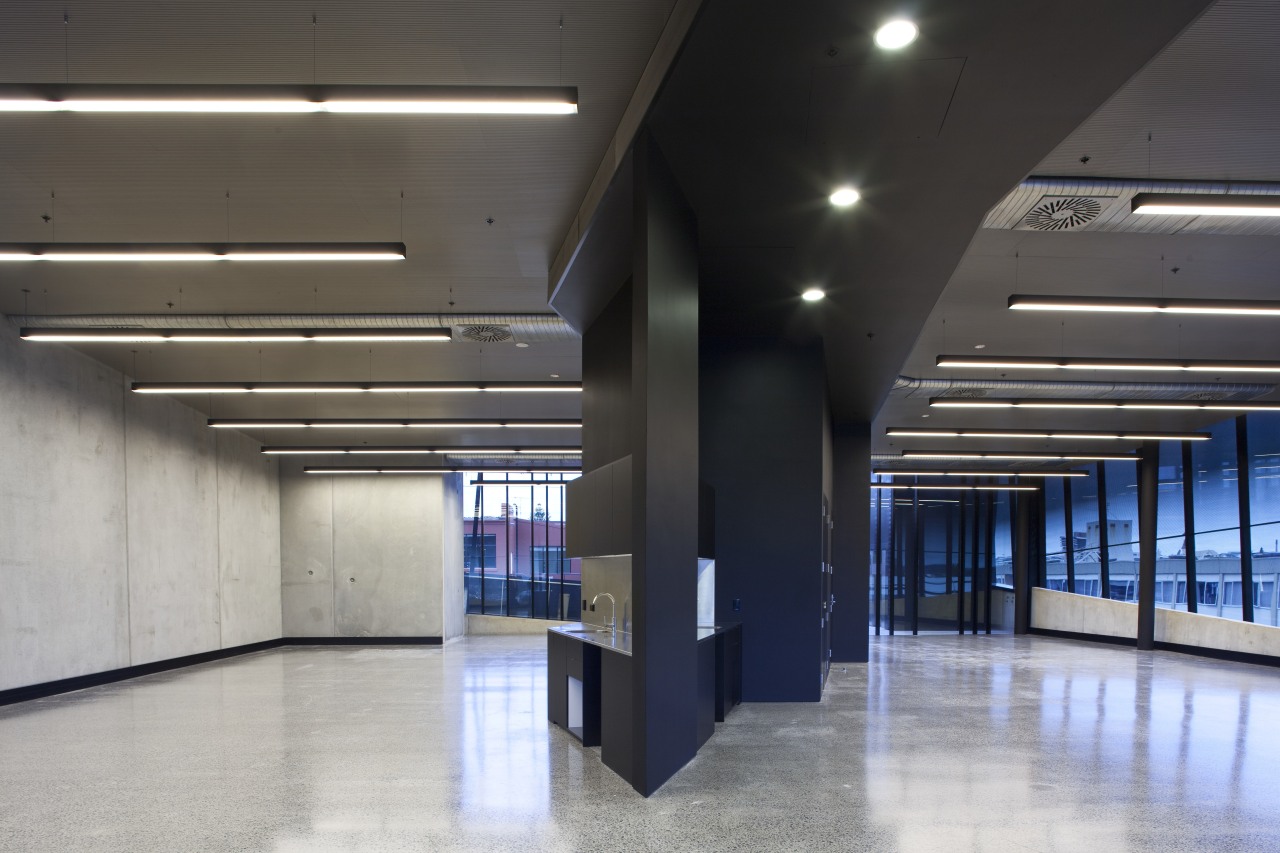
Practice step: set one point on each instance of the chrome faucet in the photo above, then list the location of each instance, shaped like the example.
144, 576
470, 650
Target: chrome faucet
613, 610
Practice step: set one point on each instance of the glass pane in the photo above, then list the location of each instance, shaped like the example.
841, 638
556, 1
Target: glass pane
1217, 519
1084, 533
1122, 530
1264, 507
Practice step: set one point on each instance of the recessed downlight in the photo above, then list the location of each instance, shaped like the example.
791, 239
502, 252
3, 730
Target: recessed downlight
813, 294
845, 197
896, 34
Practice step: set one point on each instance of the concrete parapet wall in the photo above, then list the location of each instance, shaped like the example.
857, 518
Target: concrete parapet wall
1082, 614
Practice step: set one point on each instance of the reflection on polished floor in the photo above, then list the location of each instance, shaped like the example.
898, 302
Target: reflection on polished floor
945, 744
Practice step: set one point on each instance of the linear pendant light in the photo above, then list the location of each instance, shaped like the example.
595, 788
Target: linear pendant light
231, 336
433, 469
362, 449
1036, 433
1016, 454
354, 387
172, 253
959, 472
1135, 305
1199, 204
1194, 365
992, 488
1141, 405
388, 423
275, 100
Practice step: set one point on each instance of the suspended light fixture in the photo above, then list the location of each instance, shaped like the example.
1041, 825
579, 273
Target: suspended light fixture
229, 336
1201, 204
1035, 433
432, 469
1009, 454
1193, 365
364, 449
1136, 305
388, 423
959, 472
284, 100
919, 488
1158, 405
354, 387
171, 253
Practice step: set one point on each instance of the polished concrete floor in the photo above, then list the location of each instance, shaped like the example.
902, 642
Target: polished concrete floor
941, 744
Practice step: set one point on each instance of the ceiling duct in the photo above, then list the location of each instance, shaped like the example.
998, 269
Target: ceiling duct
536, 328
1103, 204
977, 388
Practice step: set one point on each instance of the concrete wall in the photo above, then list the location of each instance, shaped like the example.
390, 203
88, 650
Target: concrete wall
371, 556
1082, 614
1214, 632
129, 531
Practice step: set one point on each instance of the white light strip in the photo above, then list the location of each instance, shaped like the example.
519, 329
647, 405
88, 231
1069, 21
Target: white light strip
562, 105
1132, 305
1074, 457
1011, 433
345, 388
956, 488
888, 472
1160, 365
1159, 405
126, 256
1204, 204
568, 452
439, 470
236, 423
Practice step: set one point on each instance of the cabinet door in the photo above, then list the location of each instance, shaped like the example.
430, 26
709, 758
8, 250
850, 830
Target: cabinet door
620, 507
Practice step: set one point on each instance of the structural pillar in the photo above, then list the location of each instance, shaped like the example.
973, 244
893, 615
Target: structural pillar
1148, 469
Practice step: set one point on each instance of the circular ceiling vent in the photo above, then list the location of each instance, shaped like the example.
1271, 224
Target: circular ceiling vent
1059, 214
967, 392
485, 334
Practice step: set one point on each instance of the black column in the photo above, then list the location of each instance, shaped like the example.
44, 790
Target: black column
664, 496
960, 566
1068, 545
1246, 527
917, 560
879, 555
1148, 468
1189, 526
851, 540
1104, 544
1022, 568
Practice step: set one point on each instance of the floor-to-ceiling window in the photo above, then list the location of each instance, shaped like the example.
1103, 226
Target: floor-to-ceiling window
514, 558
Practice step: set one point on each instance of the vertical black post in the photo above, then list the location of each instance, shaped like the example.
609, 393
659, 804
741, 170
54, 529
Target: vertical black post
879, 557
1104, 544
950, 543
1022, 562
895, 530
1246, 528
977, 550
1148, 468
916, 561
964, 498
506, 541
1189, 525
1069, 541
991, 559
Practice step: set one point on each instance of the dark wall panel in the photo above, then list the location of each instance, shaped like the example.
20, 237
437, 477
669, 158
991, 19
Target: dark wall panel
761, 436
606, 384
851, 542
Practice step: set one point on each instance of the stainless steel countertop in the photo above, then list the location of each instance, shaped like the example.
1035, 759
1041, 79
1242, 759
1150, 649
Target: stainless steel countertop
604, 638
619, 641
